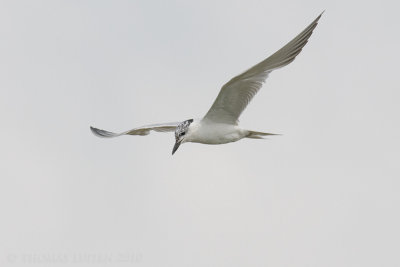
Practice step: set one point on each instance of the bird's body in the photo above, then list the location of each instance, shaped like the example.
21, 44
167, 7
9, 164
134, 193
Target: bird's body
221, 123
208, 132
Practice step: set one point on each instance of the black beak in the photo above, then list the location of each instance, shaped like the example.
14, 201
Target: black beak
177, 144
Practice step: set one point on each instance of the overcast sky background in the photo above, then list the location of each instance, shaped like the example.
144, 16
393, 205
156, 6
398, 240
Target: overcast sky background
325, 193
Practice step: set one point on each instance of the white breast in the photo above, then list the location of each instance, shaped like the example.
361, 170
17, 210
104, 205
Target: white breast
213, 133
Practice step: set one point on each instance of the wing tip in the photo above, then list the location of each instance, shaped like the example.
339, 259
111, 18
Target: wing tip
320, 15
102, 133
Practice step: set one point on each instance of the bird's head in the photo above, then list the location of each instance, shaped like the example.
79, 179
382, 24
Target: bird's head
180, 133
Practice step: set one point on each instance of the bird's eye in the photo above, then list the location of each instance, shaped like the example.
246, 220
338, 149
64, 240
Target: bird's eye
182, 134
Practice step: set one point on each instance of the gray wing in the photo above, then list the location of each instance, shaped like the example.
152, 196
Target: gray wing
144, 130
236, 94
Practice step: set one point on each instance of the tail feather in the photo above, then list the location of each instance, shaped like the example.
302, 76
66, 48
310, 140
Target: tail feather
258, 135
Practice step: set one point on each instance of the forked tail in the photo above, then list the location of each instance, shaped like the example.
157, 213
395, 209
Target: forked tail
258, 135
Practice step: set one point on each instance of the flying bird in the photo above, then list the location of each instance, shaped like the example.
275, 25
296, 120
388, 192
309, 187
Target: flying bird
221, 123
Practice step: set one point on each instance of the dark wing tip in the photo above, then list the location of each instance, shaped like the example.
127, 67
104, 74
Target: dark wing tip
102, 133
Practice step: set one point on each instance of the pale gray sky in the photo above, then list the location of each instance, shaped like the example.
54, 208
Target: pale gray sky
326, 193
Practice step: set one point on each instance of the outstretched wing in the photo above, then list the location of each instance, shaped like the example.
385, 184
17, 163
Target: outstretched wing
144, 130
236, 94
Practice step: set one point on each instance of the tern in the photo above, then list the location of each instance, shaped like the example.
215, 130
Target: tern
220, 125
